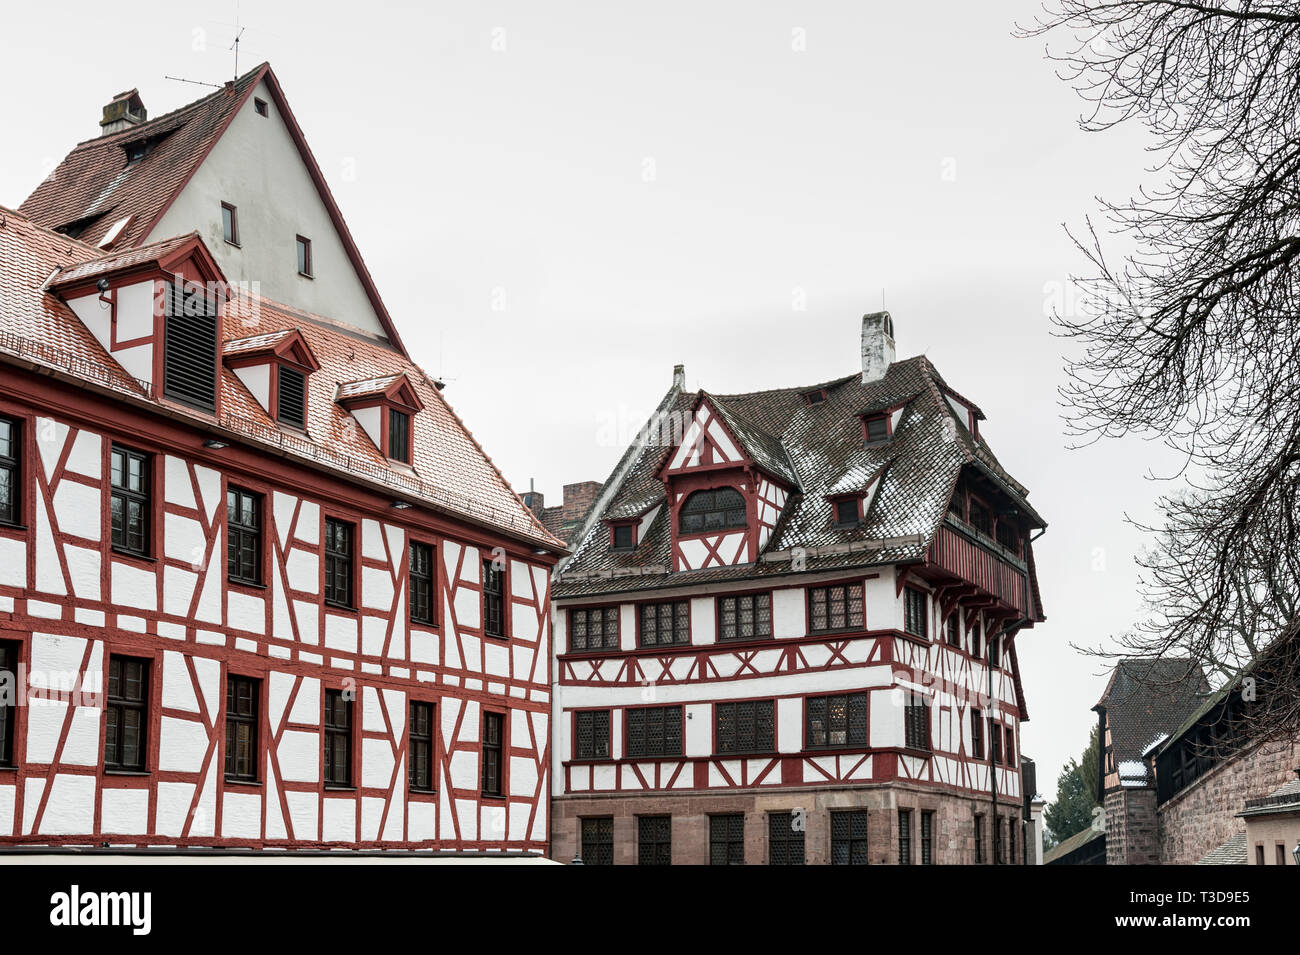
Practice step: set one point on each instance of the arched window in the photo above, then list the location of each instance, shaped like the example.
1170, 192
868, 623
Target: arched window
715, 510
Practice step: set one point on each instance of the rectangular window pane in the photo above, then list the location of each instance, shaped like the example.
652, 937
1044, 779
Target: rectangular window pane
836, 608
654, 840
747, 617
598, 841
592, 734
338, 739
665, 624
126, 714
493, 599
242, 695
745, 727
727, 839
492, 737
654, 731
129, 503
420, 770
338, 563
785, 842
849, 837
835, 721
593, 628
10, 472
421, 574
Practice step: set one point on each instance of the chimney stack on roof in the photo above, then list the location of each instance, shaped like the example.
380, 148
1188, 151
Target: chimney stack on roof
877, 346
124, 111
679, 377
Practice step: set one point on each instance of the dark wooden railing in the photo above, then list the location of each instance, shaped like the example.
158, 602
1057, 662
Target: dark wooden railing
999, 575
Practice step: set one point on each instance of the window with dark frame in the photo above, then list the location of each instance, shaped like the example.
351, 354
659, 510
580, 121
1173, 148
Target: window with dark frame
229, 223
815, 397
1009, 750
954, 630
835, 608
593, 628
653, 731
785, 842
190, 346
876, 428
979, 838
718, 509
727, 839
243, 536
976, 733
745, 726
915, 612
291, 397
980, 519
9, 650
339, 539
904, 837
338, 740
421, 574
242, 695
846, 512
493, 737
591, 734
598, 840
259, 105
11, 472
665, 624
654, 840
399, 436
304, 256
494, 598
995, 652
624, 537
1011, 841
421, 747
126, 714
849, 837
916, 720
130, 501
745, 617
927, 838
835, 721
995, 740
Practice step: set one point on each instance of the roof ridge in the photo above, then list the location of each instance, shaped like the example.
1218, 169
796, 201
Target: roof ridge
123, 135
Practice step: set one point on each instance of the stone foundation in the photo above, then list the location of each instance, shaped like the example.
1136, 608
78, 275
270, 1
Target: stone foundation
953, 841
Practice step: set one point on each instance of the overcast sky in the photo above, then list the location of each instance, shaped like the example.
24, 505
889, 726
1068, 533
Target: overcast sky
559, 201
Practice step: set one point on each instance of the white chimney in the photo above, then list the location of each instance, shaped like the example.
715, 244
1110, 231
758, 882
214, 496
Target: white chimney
877, 346
679, 377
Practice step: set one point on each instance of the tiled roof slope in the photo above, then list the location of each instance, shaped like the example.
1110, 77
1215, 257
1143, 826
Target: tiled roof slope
1146, 699
1232, 852
821, 447
95, 182
451, 470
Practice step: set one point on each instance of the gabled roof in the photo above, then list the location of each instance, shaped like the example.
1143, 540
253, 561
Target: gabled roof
94, 185
162, 255
287, 344
452, 472
1149, 698
821, 448
396, 388
1073, 844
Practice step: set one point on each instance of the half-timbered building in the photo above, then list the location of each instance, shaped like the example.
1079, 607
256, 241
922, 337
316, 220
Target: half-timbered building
790, 631
259, 585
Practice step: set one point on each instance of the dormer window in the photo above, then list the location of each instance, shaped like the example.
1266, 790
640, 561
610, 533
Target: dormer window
814, 397
190, 346
876, 428
623, 536
399, 436
385, 408
848, 511
716, 510
291, 397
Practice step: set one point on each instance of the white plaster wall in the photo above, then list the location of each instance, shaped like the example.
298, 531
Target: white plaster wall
256, 167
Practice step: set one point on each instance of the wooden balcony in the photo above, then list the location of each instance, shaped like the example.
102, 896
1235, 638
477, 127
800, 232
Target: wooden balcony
985, 564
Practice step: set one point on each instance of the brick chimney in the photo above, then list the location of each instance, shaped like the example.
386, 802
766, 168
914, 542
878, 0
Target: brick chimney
679, 377
123, 111
877, 346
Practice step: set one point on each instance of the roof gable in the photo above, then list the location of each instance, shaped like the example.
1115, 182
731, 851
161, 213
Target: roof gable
96, 185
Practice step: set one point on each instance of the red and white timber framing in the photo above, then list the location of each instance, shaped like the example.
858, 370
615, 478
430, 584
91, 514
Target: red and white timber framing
70, 601
880, 660
709, 457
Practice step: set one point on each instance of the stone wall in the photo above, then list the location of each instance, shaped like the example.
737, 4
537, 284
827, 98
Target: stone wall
1132, 836
1204, 815
953, 838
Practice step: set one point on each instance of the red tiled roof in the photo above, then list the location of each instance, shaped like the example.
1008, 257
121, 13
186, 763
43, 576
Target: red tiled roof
94, 186
94, 179
451, 470
115, 261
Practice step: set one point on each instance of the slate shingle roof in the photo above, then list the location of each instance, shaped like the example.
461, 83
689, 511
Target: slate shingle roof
1146, 699
452, 471
819, 450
